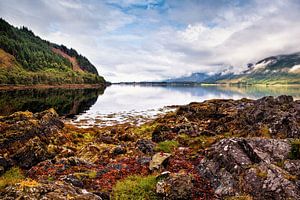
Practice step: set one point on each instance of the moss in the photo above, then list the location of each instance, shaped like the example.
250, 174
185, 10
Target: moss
295, 149
199, 141
145, 130
135, 188
166, 146
28, 183
50, 178
92, 174
262, 174
12, 176
280, 163
265, 131
240, 197
87, 174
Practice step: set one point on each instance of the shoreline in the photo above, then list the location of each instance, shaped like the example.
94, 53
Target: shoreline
44, 86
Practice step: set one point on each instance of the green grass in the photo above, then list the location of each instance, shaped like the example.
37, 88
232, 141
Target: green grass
12, 176
135, 188
166, 146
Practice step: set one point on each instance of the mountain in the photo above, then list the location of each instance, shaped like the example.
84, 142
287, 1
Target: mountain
26, 59
281, 69
201, 78
194, 77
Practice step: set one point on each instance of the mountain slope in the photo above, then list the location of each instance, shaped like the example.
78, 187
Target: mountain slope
27, 59
281, 69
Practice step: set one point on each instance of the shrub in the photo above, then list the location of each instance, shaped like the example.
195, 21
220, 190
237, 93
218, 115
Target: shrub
135, 188
166, 146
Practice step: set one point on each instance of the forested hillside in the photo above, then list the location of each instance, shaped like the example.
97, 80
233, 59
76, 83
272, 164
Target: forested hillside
27, 59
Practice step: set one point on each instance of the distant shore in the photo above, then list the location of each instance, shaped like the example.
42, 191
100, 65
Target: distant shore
44, 86
199, 84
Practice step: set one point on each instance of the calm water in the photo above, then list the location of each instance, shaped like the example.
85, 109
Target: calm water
121, 103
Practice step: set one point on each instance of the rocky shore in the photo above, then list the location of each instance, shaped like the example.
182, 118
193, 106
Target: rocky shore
217, 149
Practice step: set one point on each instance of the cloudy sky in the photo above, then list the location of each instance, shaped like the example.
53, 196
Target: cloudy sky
134, 40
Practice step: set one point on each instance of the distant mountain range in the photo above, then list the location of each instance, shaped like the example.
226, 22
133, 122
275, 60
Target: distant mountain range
281, 69
26, 59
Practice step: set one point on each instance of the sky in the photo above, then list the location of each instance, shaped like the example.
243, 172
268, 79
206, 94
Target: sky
148, 40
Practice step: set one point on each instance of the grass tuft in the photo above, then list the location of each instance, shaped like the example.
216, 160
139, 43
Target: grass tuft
166, 146
135, 188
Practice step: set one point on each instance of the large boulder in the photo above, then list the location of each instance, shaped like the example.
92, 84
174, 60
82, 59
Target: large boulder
258, 167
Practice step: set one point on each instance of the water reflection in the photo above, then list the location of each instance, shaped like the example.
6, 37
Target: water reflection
123, 103
67, 102
127, 103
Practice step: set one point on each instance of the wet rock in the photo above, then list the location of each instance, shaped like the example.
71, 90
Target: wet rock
158, 160
119, 150
251, 166
145, 146
74, 181
175, 186
55, 190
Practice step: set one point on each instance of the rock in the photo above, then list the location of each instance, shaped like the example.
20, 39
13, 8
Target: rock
145, 146
73, 180
251, 166
162, 133
158, 160
54, 190
89, 153
292, 166
4, 165
119, 150
267, 117
175, 186
27, 139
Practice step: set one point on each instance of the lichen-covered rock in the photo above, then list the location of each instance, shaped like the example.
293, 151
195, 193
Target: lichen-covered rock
27, 138
252, 166
268, 117
175, 186
48, 191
